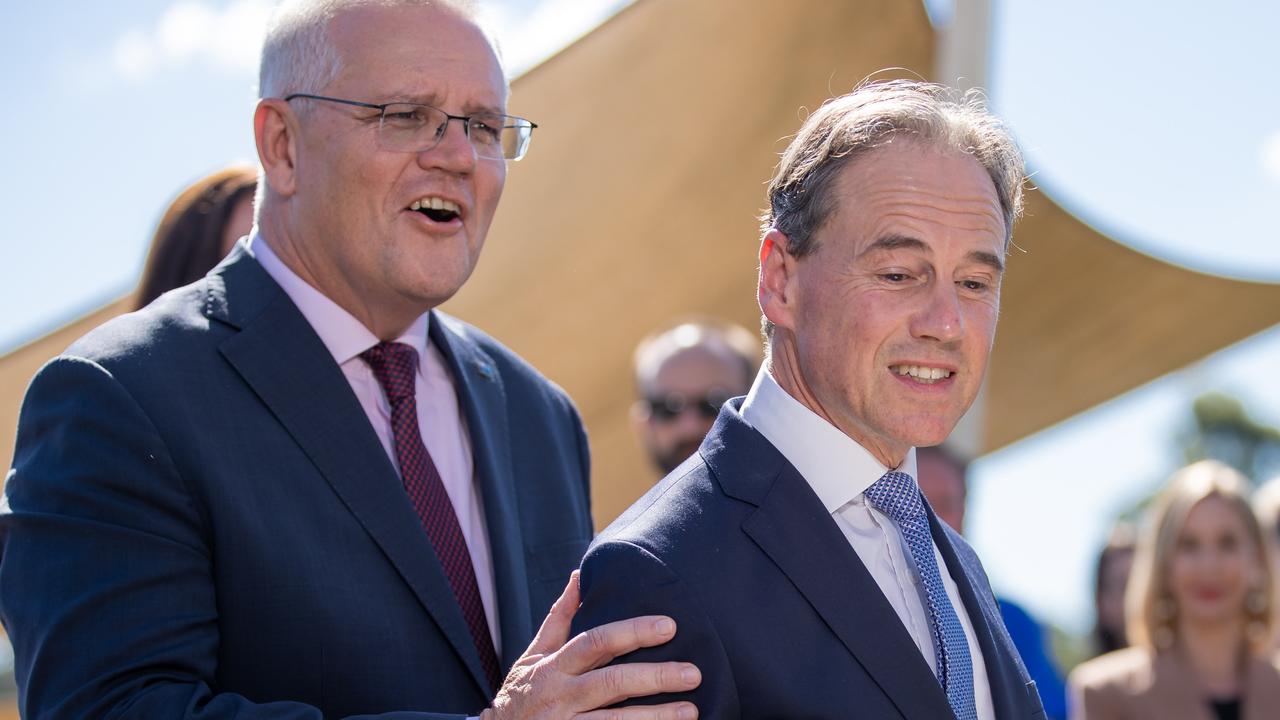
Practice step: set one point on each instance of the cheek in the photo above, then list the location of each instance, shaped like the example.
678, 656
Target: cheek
982, 323
1237, 566
1178, 571
489, 185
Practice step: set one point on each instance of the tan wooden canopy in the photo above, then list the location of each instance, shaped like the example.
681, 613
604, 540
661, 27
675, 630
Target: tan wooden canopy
638, 201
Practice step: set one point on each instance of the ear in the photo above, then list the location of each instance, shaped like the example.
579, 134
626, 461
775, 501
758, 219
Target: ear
778, 282
275, 131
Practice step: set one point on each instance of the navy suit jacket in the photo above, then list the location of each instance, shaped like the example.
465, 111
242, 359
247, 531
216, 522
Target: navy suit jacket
200, 521
771, 602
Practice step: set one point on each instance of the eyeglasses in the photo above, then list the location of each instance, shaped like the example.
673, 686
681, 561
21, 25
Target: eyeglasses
665, 408
414, 127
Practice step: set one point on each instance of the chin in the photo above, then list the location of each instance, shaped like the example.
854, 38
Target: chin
928, 432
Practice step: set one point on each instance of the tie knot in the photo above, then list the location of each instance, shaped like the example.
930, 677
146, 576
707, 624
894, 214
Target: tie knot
396, 366
897, 495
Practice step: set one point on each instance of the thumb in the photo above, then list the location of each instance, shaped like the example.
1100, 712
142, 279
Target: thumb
554, 632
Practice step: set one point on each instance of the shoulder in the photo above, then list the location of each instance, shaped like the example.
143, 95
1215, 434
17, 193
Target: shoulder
1130, 671
671, 512
145, 334
1264, 681
153, 351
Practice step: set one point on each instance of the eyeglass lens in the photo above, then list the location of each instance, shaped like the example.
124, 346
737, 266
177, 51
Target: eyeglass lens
409, 127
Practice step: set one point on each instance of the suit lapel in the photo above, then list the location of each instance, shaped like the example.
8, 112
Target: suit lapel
484, 403
285, 363
792, 527
1008, 688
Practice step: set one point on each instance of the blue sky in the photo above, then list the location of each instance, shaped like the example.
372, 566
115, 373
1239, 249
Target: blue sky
1157, 123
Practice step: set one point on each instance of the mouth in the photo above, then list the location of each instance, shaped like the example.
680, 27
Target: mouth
1208, 594
437, 209
922, 373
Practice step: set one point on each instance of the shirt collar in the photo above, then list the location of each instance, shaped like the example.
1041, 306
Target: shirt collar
837, 468
342, 334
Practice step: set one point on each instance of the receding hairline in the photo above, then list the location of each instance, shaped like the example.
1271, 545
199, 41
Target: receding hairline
300, 54
727, 341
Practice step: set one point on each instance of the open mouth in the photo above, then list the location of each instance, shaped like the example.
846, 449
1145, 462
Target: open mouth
437, 209
922, 374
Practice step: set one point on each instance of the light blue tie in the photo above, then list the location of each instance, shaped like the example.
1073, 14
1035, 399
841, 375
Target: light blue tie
898, 496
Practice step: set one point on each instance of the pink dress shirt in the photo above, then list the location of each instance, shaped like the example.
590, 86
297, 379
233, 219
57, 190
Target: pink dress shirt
444, 430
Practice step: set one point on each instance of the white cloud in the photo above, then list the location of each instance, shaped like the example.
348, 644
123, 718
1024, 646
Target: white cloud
227, 37
133, 56
1270, 157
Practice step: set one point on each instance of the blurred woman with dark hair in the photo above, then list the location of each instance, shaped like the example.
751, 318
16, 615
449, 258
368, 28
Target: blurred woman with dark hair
1199, 613
197, 230
1111, 575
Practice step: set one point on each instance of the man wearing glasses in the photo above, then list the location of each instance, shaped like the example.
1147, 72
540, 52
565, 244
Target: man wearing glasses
684, 374
293, 489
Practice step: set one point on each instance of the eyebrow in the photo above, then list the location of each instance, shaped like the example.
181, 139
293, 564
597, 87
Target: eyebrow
906, 242
432, 98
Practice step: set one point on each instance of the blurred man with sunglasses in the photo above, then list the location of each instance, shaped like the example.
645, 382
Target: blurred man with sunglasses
684, 374
293, 489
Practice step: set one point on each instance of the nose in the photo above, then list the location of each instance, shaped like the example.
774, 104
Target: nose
453, 150
692, 423
940, 318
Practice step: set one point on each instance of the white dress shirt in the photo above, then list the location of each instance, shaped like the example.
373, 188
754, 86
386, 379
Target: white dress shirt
839, 470
444, 430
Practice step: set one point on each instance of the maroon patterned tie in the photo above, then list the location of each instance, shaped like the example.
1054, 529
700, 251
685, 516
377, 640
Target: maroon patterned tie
396, 367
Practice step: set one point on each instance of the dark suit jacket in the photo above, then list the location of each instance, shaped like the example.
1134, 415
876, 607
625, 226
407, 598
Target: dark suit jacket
771, 602
201, 519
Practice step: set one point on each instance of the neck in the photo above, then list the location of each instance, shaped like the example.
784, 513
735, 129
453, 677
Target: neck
386, 324
784, 366
1215, 654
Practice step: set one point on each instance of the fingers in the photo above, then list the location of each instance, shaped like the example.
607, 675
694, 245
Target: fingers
616, 683
670, 711
555, 628
599, 645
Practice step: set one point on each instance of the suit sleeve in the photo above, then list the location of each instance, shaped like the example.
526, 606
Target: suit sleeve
621, 580
106, 584
584, 461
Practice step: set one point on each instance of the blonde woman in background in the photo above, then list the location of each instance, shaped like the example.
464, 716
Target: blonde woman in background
1199, 613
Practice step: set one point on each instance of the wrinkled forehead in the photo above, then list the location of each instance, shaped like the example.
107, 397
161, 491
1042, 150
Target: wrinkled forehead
415, 49
916, 183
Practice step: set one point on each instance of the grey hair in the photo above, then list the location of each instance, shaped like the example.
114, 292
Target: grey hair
801, 197
297, 54
695, 331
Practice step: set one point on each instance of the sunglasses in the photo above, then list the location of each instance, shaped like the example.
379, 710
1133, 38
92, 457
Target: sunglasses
665, 408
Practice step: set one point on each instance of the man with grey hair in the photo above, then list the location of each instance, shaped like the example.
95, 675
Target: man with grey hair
808, 576
684, 374
294, 489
